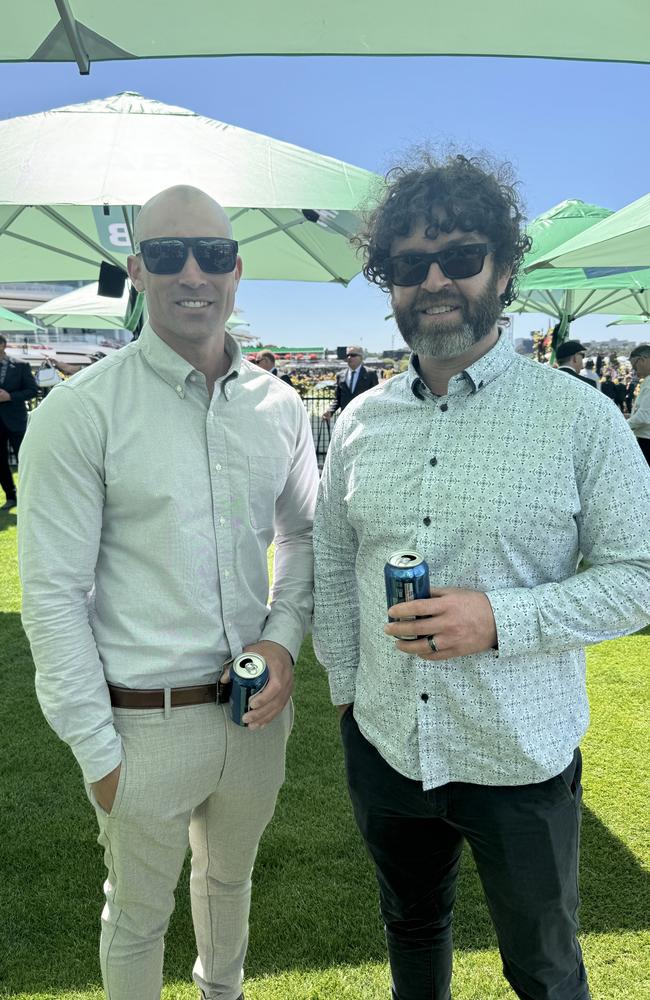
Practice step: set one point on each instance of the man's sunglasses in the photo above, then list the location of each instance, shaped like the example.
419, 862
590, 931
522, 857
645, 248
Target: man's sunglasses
455, 262
353, 355
168, 254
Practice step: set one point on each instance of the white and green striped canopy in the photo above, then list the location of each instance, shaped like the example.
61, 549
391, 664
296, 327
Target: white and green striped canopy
71, 181
87, 31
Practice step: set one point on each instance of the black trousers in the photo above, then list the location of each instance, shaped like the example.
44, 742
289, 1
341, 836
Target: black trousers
644, 445
525, 842
15, 438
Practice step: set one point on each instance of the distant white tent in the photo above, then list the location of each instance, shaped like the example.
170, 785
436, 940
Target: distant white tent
83, 308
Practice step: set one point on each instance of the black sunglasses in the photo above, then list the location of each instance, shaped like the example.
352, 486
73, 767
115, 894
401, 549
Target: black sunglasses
167, 254
455, 262
353, 355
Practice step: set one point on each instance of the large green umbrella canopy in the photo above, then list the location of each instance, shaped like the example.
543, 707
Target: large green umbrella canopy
71, 180
85, 31
622, 241
569, 293
11, 321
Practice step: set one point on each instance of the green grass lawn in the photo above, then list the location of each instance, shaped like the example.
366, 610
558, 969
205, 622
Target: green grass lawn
315, 928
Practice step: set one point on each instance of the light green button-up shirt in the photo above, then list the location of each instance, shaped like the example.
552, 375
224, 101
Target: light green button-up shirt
147, 509
500, 485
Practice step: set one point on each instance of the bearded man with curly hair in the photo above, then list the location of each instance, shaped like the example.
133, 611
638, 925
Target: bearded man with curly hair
502, 474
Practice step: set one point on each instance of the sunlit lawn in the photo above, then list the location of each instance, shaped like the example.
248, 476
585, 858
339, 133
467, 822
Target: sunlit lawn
315, 929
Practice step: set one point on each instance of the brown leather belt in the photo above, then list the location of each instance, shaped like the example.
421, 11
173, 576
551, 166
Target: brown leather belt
201, 694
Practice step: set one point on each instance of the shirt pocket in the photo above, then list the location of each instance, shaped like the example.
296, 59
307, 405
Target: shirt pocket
267, 475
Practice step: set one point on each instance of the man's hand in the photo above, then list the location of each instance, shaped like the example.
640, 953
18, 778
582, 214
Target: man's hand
105, 789
460, 621
327, 415
266, 705
5, 397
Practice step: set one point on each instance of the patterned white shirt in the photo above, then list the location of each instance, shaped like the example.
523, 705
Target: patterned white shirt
500, 485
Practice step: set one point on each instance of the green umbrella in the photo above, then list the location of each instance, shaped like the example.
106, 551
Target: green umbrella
85, 31
629, 320
569, 293
11, 321
71, 181
619, 243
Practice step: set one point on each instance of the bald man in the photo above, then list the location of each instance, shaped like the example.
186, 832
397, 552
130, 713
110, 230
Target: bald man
351, 383
169, 468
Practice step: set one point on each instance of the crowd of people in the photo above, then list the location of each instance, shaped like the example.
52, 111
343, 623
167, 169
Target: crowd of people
171, 466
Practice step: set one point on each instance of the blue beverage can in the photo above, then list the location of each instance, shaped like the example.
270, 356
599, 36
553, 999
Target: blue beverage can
407, 579
249, 675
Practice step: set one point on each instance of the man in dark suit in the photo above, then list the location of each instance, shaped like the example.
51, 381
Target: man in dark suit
352, 383
266, 360
570, 357
17, 385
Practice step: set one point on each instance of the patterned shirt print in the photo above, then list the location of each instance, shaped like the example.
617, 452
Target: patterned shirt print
501, 485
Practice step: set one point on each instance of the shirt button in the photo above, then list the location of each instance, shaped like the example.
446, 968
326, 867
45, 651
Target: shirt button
179, 390
444, 407
192, 378
433, 461
424, 696
222, 520
217, 468
426, 520
227, 573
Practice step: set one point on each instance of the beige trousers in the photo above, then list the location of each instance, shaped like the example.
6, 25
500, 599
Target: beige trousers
189, 778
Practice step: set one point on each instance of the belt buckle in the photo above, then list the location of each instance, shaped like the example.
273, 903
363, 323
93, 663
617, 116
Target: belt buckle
224, 687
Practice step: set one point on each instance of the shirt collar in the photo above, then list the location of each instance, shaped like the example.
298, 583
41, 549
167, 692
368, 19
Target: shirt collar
173, 368
479, 374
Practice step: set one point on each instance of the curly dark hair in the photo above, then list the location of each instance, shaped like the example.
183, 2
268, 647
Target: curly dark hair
459, 192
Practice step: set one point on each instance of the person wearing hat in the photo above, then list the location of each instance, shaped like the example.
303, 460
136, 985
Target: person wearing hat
570, 357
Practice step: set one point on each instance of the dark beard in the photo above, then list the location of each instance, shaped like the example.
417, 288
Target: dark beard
478, 320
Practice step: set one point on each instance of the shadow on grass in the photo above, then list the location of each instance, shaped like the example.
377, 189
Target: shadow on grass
8, 519
314, 900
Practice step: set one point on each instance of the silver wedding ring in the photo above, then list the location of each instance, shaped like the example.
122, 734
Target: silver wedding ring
432, 643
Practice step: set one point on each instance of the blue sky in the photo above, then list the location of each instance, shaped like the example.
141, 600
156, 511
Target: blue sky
571, 130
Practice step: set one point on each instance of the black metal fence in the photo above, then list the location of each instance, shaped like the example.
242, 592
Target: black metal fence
316, 402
